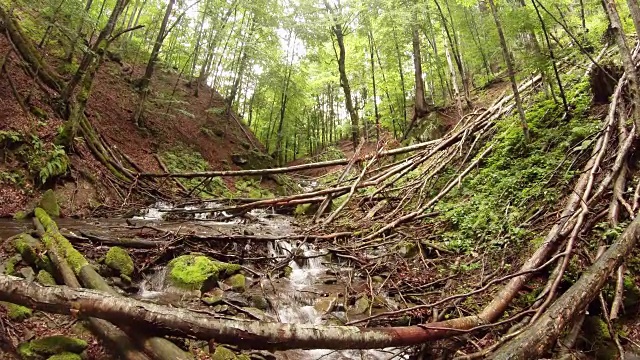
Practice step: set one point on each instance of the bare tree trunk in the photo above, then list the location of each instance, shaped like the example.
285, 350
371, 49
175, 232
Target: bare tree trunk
541, 336
510, 69
634, 9
151, 64
627, 61
338, 32
373, 81
403, 103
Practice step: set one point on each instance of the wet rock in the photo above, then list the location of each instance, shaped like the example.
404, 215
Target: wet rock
408, 249
45, 278
361, 306
27, 273
222, 353
261, 355
329, 280
326, 305
118, 259
235, 299
377, 279
257, 314
221, 308
287, 271
238, 282
379, 302
259, 301
49, 203
49, 346
214, 297
197, 272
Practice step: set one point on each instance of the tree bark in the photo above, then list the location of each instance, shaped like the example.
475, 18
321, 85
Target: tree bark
541, 336
338, 32
627, 60
510, 69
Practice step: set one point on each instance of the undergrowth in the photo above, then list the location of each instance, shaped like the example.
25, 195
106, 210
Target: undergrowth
517, 180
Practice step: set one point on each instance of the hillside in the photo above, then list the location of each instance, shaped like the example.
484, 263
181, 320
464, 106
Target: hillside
186, 132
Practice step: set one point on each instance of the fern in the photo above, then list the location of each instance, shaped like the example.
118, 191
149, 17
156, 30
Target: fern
57, 164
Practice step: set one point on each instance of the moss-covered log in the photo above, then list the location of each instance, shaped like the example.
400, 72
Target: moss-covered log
161, 348
28, 52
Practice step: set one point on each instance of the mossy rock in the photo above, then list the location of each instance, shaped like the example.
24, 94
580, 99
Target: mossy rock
408, 249
190, 272
304, 209
259, 302
252, 159
119, 260
49, 346
287, 271
598, 338
222, 353
66, 356
45, 278
49, 203
361, 306
8, 267
20, 215
17, 312
238, 282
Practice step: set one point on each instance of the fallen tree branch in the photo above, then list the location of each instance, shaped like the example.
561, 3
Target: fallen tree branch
541, 336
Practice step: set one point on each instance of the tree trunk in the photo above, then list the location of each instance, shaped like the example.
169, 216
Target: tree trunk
338, 32
78, 34
541, 336
510, 69
420, 107
627, 61
634, 9
402, 85
373, 82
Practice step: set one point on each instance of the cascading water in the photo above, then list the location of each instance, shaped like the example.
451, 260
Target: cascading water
295, 306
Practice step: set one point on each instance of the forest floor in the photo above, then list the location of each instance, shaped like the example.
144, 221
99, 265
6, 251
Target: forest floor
183, 130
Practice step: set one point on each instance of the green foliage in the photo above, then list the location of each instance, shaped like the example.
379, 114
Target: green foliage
56, 164
515, 180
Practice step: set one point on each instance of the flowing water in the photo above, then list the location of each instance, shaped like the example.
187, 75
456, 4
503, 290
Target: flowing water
295, 296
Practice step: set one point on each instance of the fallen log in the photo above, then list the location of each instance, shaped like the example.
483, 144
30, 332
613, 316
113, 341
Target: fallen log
106, 331
186, 323
162, 349
282, 170
541, 336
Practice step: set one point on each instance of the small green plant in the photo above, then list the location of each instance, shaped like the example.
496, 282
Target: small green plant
56, 164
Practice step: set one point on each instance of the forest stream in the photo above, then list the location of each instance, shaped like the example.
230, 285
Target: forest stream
311, 293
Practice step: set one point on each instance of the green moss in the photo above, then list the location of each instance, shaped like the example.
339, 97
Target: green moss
222, 353
191, 271
66, 356
49, 203
53, 238
10, 265
17, 312
303, 209
45, 278
28, 248
237, 282
52, 345
287, 271
39, 112
118, 259
20, 215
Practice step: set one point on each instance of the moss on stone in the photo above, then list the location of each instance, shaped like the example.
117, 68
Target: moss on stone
28, 248
17, 312
49, 203
66, 356
45, 278
118, 259
10, 265
259, 302
191, 271
20, 215
222, 353
287, 271
56, 344
238, 282
302, 209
